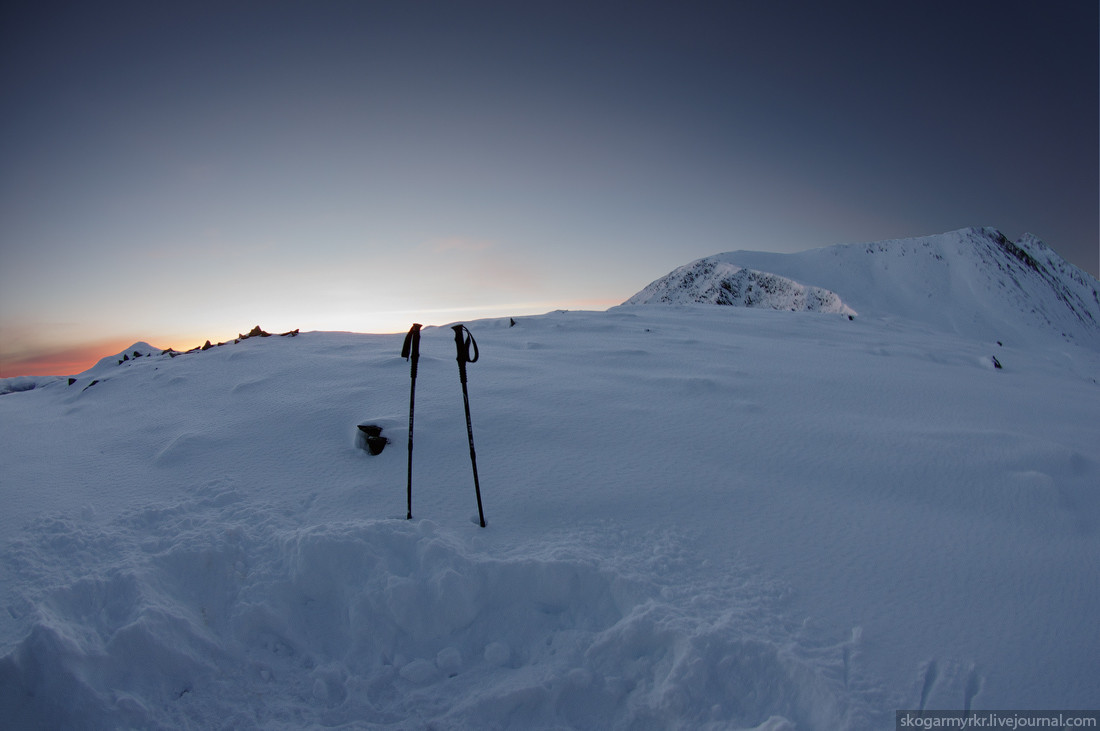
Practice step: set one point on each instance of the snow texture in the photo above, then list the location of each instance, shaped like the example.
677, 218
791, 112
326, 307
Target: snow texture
699, 517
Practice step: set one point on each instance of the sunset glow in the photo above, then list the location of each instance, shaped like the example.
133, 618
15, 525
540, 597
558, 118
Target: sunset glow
176, 172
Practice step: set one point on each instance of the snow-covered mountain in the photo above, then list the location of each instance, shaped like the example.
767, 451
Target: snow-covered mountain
973, 282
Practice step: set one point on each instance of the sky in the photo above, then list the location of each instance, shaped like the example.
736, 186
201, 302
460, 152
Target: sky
177, 172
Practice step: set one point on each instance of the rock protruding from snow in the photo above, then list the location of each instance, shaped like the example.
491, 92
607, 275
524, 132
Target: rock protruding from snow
717, 282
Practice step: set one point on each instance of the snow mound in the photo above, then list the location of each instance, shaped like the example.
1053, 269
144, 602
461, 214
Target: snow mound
711, 281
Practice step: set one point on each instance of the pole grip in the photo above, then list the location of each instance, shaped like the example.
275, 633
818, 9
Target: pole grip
410, 350
466, 348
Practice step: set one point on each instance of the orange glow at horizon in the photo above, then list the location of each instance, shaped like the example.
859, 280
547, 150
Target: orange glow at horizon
38, 358
60, 361
45, 360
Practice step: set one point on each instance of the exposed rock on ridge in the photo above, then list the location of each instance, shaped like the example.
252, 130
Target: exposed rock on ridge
717, 282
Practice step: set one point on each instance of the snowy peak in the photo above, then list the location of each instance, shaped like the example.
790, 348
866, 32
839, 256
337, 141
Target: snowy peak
973, 282
717, 282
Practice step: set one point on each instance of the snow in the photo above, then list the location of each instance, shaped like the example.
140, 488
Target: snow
698, 517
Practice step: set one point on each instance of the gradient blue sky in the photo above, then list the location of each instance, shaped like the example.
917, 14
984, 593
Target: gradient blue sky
177, 171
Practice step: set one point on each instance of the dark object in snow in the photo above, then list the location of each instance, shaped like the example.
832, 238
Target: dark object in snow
89, 385
467, 353
72, 381
254, 333
410, 351
996, 363
127, 356
258, 332
511, 322
373, 438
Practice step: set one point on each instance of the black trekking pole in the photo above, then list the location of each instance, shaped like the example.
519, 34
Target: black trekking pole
467, 353
411, 351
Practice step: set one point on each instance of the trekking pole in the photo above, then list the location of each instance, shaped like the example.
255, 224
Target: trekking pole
411, 351
467, 353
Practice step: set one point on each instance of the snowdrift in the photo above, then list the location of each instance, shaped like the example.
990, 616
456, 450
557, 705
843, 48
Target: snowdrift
698, 517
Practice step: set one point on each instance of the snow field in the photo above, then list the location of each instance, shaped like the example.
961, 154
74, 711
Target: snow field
698, 517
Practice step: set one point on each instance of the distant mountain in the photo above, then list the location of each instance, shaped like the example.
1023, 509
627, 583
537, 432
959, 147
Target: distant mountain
974, 282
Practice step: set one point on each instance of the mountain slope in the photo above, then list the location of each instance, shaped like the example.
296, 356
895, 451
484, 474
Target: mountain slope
973, 282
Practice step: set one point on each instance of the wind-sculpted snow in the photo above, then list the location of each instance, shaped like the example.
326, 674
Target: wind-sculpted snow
720, 283
381, 623
698, 517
